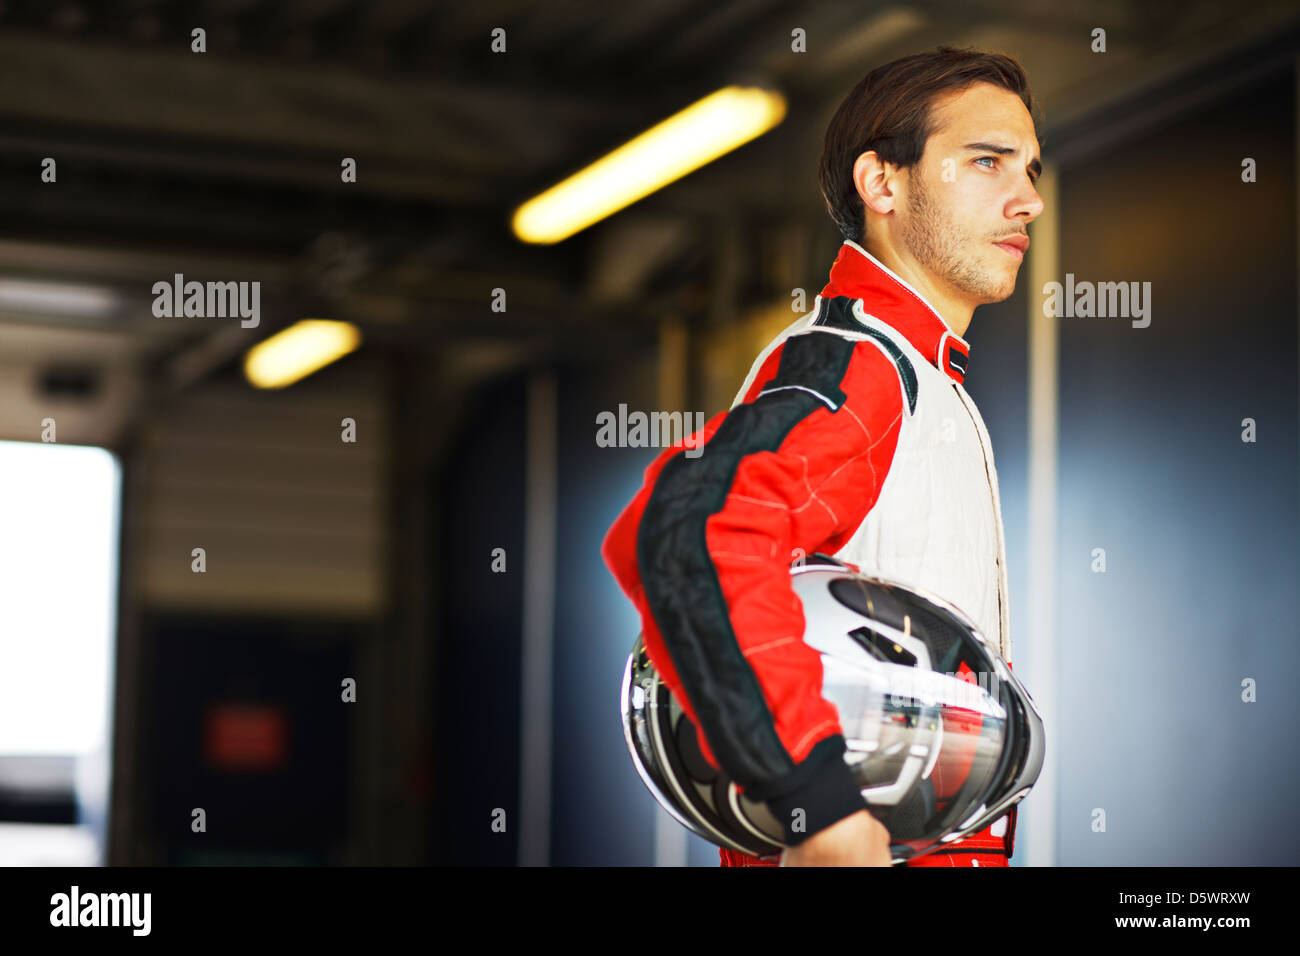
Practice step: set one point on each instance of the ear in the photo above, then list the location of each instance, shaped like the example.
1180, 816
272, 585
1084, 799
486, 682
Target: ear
876, 182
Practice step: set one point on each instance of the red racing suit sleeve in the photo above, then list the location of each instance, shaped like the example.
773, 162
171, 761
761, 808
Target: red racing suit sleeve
704, 552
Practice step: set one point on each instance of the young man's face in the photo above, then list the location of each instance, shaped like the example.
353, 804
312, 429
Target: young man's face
973, 187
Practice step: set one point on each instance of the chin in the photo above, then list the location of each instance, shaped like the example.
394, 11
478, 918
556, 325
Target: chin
988, 296
1001, 291
994, 291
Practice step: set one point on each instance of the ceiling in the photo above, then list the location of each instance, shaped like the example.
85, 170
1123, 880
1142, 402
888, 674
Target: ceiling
226, 164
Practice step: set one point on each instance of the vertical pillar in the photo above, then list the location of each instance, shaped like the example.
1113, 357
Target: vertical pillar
538, 624
1036, 658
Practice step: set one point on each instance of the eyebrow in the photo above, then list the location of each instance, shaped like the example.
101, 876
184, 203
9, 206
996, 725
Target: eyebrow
1035, 166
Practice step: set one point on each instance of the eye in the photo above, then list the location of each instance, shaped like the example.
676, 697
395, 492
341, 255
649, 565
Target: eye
991, 159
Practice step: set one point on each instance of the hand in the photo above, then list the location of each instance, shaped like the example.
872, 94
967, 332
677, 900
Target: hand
857, 840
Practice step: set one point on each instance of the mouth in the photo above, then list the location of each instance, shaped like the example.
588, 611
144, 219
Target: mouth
1014, 246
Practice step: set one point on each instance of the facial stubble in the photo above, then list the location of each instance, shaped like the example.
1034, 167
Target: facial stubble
935, 241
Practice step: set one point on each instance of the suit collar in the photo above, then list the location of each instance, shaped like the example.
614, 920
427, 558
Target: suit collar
858, 274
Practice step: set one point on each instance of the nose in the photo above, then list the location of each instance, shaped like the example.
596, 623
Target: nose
1027, 204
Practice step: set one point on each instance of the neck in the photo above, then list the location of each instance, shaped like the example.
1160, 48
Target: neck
954, 311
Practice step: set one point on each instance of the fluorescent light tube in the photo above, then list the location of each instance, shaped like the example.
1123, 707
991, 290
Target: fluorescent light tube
56, 298
684, 142
299, 350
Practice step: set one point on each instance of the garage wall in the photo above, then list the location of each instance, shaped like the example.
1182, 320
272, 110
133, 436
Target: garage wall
292, 518
1197, 525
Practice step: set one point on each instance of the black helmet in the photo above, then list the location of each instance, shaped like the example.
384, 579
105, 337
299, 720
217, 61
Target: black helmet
942, 737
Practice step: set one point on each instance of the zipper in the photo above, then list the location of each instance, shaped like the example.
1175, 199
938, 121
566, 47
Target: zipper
981, 435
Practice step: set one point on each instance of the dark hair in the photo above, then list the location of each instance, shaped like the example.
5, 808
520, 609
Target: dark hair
889, 111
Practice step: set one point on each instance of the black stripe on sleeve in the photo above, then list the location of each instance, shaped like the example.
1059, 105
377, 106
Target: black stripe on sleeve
681, 583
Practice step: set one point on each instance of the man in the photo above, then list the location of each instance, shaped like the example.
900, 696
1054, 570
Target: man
852, 436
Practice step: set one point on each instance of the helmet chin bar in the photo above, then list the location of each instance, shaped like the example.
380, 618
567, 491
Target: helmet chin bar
937, 757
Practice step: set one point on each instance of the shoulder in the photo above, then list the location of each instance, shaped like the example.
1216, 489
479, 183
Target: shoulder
861, 368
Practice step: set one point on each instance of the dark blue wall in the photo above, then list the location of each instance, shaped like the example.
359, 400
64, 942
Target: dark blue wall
1199, 528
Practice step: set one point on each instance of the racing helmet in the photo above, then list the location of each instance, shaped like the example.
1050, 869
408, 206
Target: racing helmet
941, 736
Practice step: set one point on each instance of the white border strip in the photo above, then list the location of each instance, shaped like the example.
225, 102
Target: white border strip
816, 394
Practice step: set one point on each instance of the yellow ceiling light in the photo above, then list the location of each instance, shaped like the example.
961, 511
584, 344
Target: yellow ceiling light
680, 144
298, 351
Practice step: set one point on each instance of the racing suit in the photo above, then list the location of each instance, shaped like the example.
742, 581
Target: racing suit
852, 436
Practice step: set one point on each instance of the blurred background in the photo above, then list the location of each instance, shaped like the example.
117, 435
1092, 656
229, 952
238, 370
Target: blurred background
362, 618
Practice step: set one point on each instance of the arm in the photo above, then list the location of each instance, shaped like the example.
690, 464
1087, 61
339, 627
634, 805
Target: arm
704, 550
